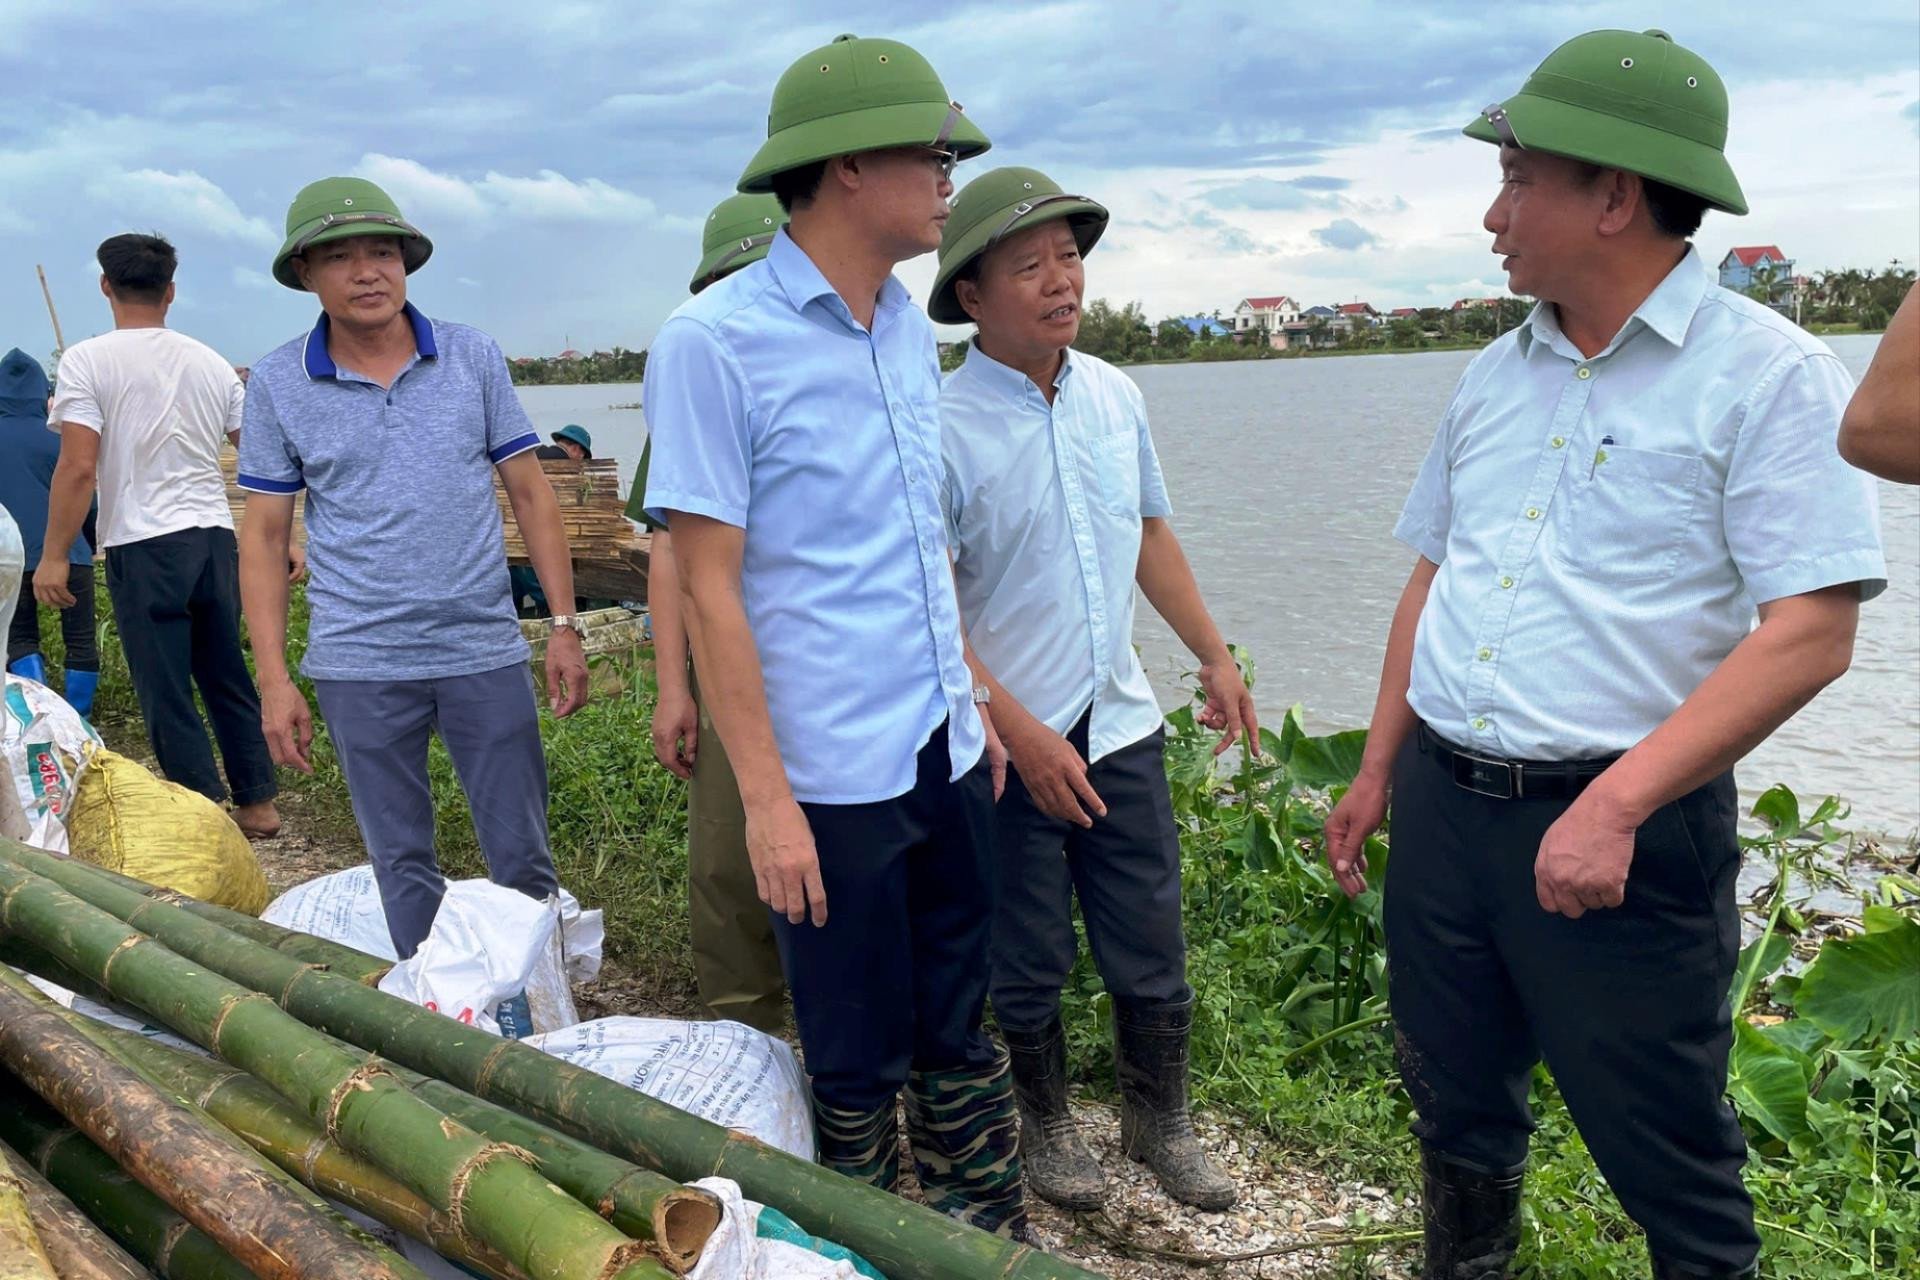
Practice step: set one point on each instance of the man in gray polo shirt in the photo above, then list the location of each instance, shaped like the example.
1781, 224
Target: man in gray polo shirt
395, 425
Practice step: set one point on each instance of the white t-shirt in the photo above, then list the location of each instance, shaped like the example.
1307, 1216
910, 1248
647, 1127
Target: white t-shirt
163, 405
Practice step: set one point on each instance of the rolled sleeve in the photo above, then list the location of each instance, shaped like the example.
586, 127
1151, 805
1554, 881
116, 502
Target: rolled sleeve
1428, 514
509, 429
267, 463
696, 406
1796, 517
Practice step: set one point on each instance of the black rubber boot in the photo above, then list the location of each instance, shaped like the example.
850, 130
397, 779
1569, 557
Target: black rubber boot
1150, 1042
864, 1145
1472, 1219
1059, 1167
1668, 1269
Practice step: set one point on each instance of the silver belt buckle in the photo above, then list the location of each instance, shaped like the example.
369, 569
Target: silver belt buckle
1495, 778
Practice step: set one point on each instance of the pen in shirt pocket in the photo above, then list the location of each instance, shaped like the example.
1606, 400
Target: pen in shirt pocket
1599, 455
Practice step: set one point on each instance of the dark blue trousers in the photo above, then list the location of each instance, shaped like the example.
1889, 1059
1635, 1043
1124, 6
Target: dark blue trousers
1628, 1006
897, 979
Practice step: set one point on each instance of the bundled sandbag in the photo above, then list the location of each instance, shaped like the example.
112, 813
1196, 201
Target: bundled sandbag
127, 820
725, 1072
46, 745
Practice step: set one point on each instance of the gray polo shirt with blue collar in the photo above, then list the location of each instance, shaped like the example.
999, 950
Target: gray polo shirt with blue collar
405, 553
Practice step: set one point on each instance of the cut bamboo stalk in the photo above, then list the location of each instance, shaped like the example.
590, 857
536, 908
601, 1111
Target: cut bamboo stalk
904, 1240
488, 1188
22, 1256
77, 1248
249, 1212
142, 1222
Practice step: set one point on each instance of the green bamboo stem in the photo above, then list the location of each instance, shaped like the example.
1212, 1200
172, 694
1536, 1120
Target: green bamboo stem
249, 1211
22, 1256
337, 956
486, 1187
277, 1130
77, 1248
906, 1241
142, 1222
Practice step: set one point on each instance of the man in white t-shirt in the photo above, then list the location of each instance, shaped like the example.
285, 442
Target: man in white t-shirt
145, 411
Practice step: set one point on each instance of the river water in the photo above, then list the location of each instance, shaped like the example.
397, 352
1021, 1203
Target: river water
1286, 478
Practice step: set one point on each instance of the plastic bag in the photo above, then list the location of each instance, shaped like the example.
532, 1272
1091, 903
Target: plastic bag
754, 1242
46, 745
488, 951
127, 820
725, 1072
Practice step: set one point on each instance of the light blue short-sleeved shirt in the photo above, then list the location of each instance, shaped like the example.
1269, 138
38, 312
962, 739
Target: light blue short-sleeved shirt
772, 409
1605, 528
1044, 504
406, 559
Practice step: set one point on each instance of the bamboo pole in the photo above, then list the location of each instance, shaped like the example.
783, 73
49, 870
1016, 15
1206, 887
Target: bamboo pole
59, 342
141, 1221
22, 1256
246, 1210
486, 1187
77, 1248
904, 1240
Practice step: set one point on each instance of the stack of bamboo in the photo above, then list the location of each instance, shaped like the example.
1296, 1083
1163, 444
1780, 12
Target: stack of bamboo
609, 557
514, 1164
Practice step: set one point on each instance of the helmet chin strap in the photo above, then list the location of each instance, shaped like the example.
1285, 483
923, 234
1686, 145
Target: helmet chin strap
1497, 116
946, 126
748, 245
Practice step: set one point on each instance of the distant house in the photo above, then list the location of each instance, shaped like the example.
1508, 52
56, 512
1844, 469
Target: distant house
570, 354
1205, 326
1267, 313
1350, 317
1404, 313
1741, 265
1468, 304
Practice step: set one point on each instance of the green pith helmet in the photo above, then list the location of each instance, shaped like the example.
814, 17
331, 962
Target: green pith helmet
858, 95
334, 208
994, 206
577, 434
1625, 100
739, 231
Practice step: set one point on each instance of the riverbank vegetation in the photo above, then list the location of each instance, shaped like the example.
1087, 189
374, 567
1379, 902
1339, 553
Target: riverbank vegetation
1292, 1031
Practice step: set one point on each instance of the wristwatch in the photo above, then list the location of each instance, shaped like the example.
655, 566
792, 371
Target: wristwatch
569, 622
982, 695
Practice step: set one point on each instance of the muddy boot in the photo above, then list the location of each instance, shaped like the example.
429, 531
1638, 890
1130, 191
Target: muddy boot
1668, 1269
964, 1130
1054, 1156
1150, 1041
1472, 1219
863, 1145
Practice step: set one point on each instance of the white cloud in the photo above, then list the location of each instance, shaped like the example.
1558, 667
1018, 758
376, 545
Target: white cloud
547, 196
248, 278
179, 203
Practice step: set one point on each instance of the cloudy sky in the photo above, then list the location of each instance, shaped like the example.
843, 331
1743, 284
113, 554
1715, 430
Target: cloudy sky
562, 154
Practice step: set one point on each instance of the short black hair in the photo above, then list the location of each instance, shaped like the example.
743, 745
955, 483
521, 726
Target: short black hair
138, 267
798, 186
1677, 213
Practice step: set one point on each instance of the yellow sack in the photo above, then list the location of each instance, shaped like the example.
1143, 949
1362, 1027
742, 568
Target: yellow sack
127, 820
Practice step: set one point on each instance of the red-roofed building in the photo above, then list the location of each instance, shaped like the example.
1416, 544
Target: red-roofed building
1467, 304
1753, 264
1267, 314
1404, 313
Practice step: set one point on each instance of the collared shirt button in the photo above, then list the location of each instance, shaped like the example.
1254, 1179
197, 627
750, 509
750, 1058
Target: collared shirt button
1479, 722
1533, 513
1583, 372
1559, 442
1506, 582
1485, 654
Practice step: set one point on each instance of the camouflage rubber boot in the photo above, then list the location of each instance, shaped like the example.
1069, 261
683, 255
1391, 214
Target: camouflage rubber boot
863, 1145
1057, 1163
1150, 1042
1472, 1219
965, 1134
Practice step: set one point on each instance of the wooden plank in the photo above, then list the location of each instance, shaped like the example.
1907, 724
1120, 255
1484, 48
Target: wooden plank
609, 554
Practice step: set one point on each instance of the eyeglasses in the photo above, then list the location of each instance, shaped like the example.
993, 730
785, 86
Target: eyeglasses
944, 160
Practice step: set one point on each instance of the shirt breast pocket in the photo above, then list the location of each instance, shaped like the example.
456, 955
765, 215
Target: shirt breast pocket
1116, 472
1628, 518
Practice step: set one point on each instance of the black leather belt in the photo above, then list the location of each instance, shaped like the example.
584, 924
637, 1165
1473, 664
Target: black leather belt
1512, 779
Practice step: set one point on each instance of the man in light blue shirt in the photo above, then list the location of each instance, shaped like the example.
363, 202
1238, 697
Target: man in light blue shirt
1056, 508
395, 426
1573, 669
794, 415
